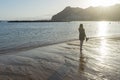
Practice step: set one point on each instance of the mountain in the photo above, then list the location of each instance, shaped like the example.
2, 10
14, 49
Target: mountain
111, 13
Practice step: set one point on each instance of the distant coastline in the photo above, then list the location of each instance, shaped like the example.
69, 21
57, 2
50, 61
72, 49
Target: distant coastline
34, 21
30, 21
24, 21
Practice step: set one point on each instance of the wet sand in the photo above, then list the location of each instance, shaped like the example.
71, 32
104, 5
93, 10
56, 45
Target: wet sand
99, 60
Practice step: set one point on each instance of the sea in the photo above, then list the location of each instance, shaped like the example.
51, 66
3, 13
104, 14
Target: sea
25, 35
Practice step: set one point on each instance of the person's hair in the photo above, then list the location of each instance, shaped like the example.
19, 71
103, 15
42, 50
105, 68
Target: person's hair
81, 26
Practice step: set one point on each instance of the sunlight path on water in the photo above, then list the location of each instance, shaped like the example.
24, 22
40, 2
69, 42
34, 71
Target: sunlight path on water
103, 50
102, 28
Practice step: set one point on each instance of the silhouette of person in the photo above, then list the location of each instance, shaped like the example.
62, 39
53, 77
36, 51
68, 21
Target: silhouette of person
82, 35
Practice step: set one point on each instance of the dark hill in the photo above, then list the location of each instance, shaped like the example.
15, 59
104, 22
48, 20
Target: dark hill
111, 13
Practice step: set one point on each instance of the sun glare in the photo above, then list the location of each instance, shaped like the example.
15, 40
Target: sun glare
105, 3
102, 27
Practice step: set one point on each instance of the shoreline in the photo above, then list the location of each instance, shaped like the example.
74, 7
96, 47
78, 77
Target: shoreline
29, 47
25, 48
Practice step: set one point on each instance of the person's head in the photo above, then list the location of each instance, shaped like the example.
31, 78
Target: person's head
81, 26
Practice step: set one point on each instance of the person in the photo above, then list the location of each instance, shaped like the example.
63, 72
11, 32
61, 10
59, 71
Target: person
82, 35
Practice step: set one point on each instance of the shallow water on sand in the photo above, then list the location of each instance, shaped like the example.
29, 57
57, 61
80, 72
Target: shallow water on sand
99, 60
105, 58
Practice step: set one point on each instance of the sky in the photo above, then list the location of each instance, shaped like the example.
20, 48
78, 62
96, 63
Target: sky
43, 9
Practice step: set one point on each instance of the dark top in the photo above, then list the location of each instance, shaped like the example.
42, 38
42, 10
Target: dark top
82, 34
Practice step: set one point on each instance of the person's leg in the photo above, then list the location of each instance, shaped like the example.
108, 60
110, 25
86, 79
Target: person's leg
81, 43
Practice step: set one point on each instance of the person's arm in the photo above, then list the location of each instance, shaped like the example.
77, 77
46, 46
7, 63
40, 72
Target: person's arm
86, 37
85, 33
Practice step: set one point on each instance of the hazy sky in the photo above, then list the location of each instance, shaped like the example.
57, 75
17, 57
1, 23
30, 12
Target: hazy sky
42, 9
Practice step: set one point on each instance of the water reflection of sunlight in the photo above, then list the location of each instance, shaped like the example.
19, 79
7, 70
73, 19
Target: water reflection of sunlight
103, 50
102, 28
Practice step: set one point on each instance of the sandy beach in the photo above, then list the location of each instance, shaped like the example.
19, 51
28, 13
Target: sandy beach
99, 60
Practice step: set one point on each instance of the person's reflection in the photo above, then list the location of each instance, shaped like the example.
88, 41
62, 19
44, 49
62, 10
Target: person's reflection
81, 62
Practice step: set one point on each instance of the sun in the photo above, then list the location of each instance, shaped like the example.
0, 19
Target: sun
105, 3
